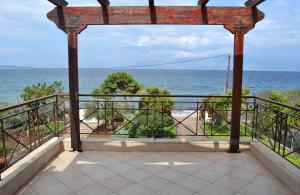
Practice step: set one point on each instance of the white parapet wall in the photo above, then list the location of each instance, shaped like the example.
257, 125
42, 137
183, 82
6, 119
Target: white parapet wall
281, 168
150, 145
21, 172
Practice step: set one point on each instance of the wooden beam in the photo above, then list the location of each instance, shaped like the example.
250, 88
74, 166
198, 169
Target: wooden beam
237, 92
73, 90
202, 2
253, 3
231, 17
59, 3
151, 3
104, 3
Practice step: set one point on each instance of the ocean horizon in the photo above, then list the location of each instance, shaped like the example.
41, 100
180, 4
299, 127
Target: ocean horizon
177, 81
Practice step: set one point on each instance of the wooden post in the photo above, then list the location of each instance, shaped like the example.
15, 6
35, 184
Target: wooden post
73, 90
237, 91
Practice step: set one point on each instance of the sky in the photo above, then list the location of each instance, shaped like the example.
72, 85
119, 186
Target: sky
29, 39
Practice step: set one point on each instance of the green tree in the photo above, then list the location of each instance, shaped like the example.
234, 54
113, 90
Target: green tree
40, 90
115, 83
162, 104
154, 117
118, 83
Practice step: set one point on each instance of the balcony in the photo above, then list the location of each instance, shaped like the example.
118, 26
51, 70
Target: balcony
150, 145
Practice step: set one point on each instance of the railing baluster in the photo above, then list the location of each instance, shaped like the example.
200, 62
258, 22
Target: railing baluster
29, 130
3, 145
197, 118
285, 134
98, 117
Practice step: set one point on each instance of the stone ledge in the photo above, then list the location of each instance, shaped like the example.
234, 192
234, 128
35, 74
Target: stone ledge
282, 169
146, 145
20, 173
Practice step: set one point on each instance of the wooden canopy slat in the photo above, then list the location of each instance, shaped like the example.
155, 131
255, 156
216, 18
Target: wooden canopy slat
104, 3
59, 3
253, 3
202, 2
230, 17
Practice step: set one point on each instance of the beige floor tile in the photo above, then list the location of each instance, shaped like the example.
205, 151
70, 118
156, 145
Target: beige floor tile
208, 175
43, 180
156, 168
172, 175
254, 167
78, 183
155, 183
67, 173
252, 189
231, 183
221, 168
243, 174
121, 167
117, 183
57, 189
265, 181
27, 190
135, 190
138, 161
87, 166
213, 189
175, 190
193, 183
149, 173
94, 189
233, 161
136, 175
188, 168
102, 174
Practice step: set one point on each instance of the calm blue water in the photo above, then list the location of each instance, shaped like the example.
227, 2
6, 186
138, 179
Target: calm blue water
196, 82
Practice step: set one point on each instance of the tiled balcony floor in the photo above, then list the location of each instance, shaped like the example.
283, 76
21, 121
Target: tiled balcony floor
154, 173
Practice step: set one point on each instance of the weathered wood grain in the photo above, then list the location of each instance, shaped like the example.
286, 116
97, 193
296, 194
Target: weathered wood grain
233, 18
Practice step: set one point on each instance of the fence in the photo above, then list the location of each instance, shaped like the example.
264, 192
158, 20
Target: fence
26, 126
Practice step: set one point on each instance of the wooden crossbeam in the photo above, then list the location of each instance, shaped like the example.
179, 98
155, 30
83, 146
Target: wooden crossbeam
104, 3
232, 18
253, 3
151, 3
202, 2
59, 3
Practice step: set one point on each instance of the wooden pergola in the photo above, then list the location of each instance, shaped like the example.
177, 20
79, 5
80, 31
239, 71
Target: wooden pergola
238, 20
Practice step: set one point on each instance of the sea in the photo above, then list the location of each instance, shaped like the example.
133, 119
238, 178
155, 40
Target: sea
178, 82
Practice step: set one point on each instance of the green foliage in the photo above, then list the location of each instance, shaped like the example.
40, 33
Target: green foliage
40, 90
162, 104
154, 118
150, 124
8, 150
118, 83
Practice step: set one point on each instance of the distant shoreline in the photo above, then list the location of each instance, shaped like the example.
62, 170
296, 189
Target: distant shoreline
128, 69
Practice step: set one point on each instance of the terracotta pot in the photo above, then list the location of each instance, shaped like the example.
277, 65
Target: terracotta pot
3, 162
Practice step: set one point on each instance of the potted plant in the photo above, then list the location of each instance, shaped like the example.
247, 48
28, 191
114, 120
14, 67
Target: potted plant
3, 158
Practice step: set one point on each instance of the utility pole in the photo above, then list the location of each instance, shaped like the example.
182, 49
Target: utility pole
228, 75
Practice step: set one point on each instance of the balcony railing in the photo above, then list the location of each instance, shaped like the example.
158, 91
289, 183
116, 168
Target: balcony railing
26, 126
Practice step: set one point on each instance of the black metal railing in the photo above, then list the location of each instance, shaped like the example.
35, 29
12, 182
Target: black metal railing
278, 127
159, 116
25, 127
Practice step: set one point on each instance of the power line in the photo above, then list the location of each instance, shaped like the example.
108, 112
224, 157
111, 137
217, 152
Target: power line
168, 63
